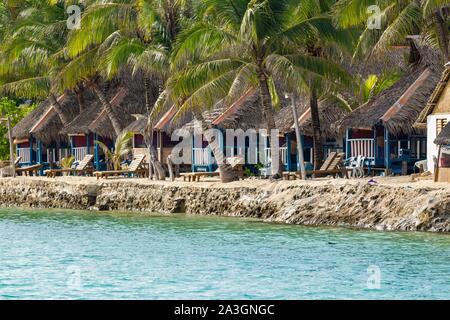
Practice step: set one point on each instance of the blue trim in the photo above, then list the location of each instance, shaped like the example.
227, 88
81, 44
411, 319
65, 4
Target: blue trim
71, 146
88, 142
193, 153
31, 149
288, 152
96, 153
347, 144
39, 155
387, 148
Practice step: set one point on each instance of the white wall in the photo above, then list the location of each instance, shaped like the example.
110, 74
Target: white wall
432, 149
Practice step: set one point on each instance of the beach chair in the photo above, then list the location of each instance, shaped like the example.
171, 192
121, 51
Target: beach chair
136, 168
84, 167
356, 166
195, 176
333, 165
237, 163
29, 170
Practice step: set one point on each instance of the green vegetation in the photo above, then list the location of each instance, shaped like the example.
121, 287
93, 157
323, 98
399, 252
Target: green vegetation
8, 107
194, 53
122, 148
66, 163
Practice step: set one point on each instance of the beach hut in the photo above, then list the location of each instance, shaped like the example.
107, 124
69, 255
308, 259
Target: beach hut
245, 114
382, 130
161, 138
37, 137
332, 137
94, 124
434, 119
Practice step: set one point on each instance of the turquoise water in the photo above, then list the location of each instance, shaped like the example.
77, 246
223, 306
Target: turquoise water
76, 255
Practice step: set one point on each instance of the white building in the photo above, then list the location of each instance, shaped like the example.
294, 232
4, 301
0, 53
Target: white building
436, 116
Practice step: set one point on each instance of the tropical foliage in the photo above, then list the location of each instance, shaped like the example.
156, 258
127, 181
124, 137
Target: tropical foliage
195, 53
122, 148
9, 108
66, 163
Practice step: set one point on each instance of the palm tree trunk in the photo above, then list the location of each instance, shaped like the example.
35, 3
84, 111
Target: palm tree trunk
267, 109
266, 101
80, 98
317, 135
442, 33
227, 173
108, 108
155, 165
58, 108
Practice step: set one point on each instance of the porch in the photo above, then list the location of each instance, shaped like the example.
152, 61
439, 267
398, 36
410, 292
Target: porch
382, 150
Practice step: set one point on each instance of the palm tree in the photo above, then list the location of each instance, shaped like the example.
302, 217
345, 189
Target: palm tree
32, 52
238, 45
122, 148
136, 35
398, 19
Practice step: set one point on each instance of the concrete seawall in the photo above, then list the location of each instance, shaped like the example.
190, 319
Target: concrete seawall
387, 206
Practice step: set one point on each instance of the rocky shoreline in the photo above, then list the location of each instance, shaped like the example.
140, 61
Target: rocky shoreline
325, 203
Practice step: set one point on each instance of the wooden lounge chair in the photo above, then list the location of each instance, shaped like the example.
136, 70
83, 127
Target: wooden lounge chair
292, 175
237, 163
84, 167
17, 161
195, 176
29, 170
135, 168
333, 165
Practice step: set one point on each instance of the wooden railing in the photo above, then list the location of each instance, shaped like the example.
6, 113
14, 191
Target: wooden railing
24, 154
268, 155
51, 155
234, 152
202, 157
64, 153
362, 147
79, 153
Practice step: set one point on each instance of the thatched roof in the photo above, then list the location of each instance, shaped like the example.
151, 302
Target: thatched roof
421, 122
444, 137
330, 114
127, 97
398, 107
246, 114
48, 120
138, 125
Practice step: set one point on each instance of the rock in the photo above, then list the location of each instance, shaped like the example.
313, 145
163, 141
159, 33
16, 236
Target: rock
349, 204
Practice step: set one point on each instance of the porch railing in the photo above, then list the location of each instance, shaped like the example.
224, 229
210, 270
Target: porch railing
79, 153
64, 153
362, 147
202, 157
24, 154
268, 155
51, 155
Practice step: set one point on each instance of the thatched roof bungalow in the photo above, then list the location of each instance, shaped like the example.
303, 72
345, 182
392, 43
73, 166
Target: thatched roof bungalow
382, 130
38, 135
94, 124
245, 114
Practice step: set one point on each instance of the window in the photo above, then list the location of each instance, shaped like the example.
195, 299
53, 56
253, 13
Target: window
440, 124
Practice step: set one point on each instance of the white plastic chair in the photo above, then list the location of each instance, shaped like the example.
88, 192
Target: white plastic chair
421, 165
357, 166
